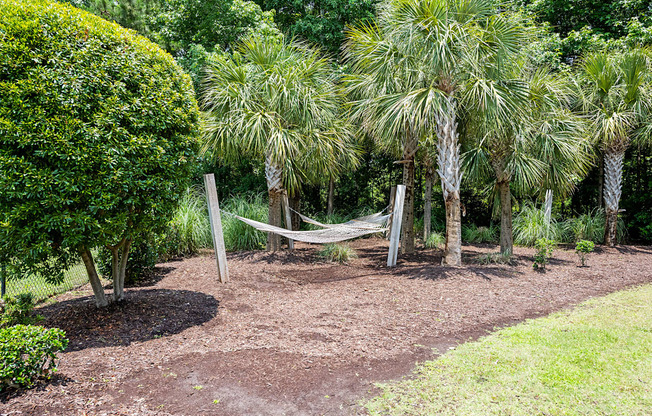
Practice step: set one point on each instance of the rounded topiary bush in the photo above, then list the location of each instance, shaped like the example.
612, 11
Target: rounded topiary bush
97, 134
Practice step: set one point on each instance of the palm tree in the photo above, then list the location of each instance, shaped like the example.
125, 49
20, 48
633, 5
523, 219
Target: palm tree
539, 147
419, 70
275, 101
616, 93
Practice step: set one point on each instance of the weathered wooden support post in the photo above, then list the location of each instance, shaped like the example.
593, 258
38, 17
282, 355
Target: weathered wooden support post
395, 232
392, 198
288, 217
216, 227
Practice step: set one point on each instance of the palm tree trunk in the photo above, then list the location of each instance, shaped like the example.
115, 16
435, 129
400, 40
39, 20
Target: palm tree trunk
407, 237
98, 290
613, 176
506, 232
448, 160
273, 174
331, 196
427, 201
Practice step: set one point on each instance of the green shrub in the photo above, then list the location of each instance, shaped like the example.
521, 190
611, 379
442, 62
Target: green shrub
583, 248
28, 353
435, 240
530, 225
18, 310
238, 235
340, 253
474, 234
544, 247
98, 136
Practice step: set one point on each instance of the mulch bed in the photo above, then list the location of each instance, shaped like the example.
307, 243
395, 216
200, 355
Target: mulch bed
293, 335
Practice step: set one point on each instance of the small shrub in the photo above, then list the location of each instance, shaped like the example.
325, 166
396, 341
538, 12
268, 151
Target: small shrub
494, 258
583, 248
435, 240
544, 248
340, 253
18, 310
28, 353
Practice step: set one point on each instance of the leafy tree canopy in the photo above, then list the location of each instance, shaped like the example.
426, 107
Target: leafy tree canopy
97, 135
321, 22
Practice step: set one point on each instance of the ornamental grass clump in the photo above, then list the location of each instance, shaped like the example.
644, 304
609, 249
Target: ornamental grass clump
435, 240
340, 253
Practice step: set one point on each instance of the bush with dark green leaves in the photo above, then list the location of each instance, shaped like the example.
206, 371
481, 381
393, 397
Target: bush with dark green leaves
97, 137
18, 310
583, 248
544, 247
28, 353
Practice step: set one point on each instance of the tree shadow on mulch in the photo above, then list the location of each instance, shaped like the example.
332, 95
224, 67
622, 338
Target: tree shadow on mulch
42, 385
143, 315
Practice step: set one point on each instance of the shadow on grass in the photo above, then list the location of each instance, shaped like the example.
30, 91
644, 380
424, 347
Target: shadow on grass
143, 315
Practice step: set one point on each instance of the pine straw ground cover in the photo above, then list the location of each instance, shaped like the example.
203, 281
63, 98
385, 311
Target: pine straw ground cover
292, 334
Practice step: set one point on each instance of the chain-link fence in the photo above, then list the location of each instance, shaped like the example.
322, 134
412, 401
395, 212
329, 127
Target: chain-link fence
40, 289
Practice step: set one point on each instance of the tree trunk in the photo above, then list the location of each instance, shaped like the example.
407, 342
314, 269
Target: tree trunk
273, 174
331, 196
295, 204
119, 279
613, 175
427, 201
601, 184
407, 228
98, 290
448, 161
506, 234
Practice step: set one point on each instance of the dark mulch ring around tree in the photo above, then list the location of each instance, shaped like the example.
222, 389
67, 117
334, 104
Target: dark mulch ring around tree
293, 335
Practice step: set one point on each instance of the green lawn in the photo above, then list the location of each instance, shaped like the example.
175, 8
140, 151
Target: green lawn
74, 277
593, 360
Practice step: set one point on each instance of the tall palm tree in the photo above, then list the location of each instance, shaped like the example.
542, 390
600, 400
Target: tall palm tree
419, 70
275, 101
616, 94
540, 147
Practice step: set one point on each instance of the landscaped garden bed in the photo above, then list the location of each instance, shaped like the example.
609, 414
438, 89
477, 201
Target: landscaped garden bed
292, 334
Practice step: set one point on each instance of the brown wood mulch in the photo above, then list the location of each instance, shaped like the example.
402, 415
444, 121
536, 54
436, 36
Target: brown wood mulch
293, 335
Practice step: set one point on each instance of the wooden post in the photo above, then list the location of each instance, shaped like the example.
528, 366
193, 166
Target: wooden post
392, 198
395, 232
216, 227
288, 218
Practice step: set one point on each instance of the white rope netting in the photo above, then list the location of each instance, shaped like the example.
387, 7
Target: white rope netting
331, 233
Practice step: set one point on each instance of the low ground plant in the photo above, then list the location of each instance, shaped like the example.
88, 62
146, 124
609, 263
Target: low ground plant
583, 248
28, 353
435, 240
474, 234
593, 360
340, 253
544, 247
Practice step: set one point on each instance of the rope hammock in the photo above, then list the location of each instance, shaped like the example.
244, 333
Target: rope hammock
330, 233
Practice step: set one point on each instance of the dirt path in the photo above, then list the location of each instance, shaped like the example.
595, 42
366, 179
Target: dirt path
291, 335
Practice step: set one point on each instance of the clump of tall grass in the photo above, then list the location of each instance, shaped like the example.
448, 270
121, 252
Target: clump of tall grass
238, 235
590, 227
529, 225
340, 253
190, 225
474, 234
435, 240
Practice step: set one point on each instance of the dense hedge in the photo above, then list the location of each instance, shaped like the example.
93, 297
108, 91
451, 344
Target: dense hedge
97, 134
